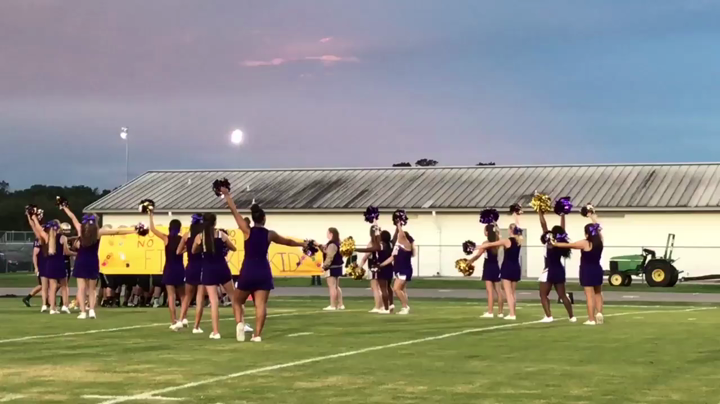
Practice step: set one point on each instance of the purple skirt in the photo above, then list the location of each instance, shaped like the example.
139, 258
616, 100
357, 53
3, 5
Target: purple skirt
254, 278
556, 275
591, 276
173, 274
215, 274
193, 273
510, 271
55, 268
491, 271
87, 265
385, 273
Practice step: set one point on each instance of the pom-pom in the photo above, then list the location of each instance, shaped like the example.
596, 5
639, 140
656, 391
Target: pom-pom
375, 229
469, 247
541, 203
516, 209
356, 272
594, 229
587, 210
89, 219
61, 202
563, 206
545, 238
347, 247
146, 205
31, 210
310, 248
489, 216
222, 183
39, 213
196, 218
399, 217
141, 230
372, 214
464, 267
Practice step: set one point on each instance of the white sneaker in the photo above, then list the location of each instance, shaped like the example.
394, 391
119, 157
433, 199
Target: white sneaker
240, 332
54, 312
214, 336
341, 308
572, 320
510, 318
247, 328
488, 315
589, 322
374, 311
184, 323
255, 339
82, 316
156, 304
43, 309
547, 320
65, 310
500, 315
391, 308
177, 326
91, 314
329, 308
383, 311
599, 318
404, 311
197, 331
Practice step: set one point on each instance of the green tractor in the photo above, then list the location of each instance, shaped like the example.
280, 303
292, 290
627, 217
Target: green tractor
657, 271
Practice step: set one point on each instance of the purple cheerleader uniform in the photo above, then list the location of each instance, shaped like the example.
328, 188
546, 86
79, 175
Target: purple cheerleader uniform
55, 264
255, 272
403, 264
194, 266
555, 267
510, 269
174, 270
491, 268
40, 259
215, 269
87, 262
591, 272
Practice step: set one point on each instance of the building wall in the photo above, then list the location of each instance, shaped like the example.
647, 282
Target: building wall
438, 237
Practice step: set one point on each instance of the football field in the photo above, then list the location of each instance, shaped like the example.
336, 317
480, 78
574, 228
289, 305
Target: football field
442, 352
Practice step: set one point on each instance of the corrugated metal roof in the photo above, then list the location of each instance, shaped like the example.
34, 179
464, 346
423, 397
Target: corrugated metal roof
611, 187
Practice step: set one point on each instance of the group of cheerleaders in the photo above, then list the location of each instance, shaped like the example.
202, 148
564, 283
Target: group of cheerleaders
558, 247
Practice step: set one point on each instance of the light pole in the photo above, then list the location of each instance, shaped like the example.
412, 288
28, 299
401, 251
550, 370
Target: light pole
124, 135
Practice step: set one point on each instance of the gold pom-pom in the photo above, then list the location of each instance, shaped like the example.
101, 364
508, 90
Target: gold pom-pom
356, 272
541, 203
464, 267
347, 247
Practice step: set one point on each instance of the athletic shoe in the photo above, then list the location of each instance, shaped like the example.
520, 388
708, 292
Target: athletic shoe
392, 307
214, 336
488, 315
599, 318
156, 304
329, 308
184, 323
82, 316
54, 312
197, 331
374, 311
547, 320
26, 301
500, 315
43, 309
240, 332
572, 320
404, 311
91, 314
255, 339
247, 328
383, 311
341, 308
589, 322
510, 318
65, 310
177, 326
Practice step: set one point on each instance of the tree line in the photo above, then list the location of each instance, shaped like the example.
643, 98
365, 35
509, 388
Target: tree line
433, 163
12, 203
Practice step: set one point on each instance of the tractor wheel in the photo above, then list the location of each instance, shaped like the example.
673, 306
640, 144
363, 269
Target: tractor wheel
616, 279
627, 281
658, 273
674, 279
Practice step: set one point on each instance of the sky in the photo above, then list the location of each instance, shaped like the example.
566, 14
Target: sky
346, 83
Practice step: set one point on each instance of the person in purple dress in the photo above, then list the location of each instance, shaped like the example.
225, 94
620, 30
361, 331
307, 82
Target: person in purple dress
212, 243
510, 270
87, 262
554, 274
491, 269
591, 272
401, 260
174, 269
256, 277
193, 271
54, 248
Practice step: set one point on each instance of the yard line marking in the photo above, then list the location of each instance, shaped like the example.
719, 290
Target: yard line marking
11, 397
299, 334
160, 398
631, 297
144, 396
133, 327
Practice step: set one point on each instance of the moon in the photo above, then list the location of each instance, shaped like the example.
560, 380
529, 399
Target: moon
236, 137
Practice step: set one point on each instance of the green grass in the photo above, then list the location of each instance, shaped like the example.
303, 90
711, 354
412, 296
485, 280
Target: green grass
641, 355
17, 280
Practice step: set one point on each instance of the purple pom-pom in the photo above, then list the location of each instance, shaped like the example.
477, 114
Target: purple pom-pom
489, 216
469, 247
222, 183
372, 214
310, 248
563, 206
400, 217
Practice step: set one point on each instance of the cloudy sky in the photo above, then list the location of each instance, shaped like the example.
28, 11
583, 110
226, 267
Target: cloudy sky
317, 83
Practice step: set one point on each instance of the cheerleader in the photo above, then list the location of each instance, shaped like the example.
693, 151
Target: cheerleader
333, 267
385, 272
554, 273
215, 270
39, 265
401, 259
174, 269
491, 269
54, 248
591, 272
193, 271
255, 273
87, 262
372, 258
510, 270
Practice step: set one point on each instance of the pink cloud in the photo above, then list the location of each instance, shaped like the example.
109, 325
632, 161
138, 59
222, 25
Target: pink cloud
256, 63
325, 59
331, 59
325, 40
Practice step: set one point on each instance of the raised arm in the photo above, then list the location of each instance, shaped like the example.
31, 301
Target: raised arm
38, 232
543, 222
73, 219
562, 222
182, 247
154, 229
228, 242
242, 225
278, 239
115, 232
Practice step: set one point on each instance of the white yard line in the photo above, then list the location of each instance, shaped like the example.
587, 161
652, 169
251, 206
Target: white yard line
148, 395
133, 327
10, 397
300, 334
158, 398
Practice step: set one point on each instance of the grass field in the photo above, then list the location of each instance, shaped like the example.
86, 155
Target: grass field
442, 352
24, 280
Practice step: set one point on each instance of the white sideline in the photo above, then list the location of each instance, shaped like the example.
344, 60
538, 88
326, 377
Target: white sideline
10, 397
150, 394
159, 398
133, 327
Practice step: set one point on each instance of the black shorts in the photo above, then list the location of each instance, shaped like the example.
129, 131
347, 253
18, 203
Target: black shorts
114, 281
143, 281
104, 282
157, 281
129, 280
